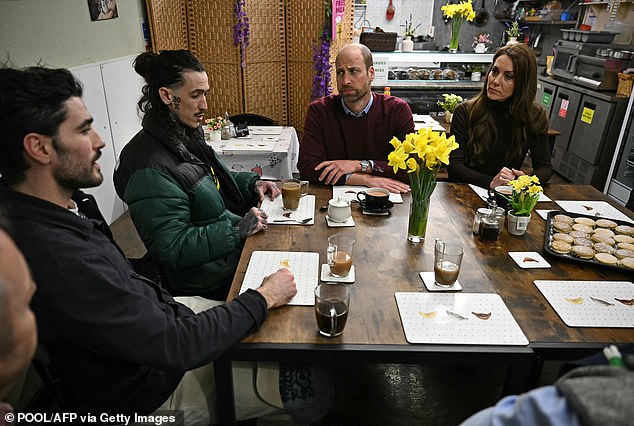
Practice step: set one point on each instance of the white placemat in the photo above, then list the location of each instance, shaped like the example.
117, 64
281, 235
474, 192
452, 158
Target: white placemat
425, 120
349, 192
581, 303
265, 130
543, 213
259, 144
529, 259
429, 279
303, 265
593, 208
275, 210
437, 318
484, 194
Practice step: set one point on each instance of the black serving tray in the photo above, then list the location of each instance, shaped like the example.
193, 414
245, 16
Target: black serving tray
549, 234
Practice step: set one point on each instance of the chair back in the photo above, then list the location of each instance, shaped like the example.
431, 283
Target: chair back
252, 120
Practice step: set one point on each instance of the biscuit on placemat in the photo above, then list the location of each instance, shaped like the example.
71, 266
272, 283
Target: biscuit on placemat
624, 230
606, 258
560, 247
606, 223
583, 252
628, 262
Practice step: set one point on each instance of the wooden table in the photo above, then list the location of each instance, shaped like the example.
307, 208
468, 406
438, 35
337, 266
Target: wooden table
386, 263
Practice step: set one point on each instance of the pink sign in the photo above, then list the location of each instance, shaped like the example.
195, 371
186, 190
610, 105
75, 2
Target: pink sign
338, 10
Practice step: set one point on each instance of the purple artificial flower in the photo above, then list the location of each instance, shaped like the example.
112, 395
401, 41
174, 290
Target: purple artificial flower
241, 30
322, 67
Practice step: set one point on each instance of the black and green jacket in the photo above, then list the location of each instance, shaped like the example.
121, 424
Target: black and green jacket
187, 224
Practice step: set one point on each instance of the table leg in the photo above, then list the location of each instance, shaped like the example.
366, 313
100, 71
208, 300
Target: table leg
225, 409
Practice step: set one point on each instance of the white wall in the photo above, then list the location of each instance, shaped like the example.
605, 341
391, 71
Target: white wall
421, 11
59, 33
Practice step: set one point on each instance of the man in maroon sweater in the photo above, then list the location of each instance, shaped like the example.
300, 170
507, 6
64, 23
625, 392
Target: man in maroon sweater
346, 136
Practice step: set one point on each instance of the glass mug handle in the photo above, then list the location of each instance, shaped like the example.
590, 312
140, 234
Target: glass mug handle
331, 251
332, 314
303, 188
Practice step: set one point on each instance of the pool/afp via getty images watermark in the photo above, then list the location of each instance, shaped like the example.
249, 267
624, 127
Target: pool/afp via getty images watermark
158, 418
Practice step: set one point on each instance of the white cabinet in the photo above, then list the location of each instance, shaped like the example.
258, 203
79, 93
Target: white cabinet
111, 91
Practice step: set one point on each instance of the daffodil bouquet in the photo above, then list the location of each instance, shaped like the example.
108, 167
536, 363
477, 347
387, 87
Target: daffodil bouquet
421, 154
457, 12
526, 192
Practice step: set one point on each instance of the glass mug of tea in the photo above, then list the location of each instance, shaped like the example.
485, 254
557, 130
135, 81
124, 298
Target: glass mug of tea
292, 191
447, 260
339, 254
332, 302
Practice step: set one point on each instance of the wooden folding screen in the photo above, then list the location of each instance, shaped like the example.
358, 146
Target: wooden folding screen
277, 79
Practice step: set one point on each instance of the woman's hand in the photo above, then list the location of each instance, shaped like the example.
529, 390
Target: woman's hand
504, 177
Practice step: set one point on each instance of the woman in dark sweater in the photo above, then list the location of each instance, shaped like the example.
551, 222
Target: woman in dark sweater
498, 127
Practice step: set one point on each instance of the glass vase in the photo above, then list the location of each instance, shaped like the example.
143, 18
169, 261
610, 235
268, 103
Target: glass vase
455, 33
417, 225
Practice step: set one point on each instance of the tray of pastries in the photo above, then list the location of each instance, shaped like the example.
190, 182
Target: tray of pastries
591, 240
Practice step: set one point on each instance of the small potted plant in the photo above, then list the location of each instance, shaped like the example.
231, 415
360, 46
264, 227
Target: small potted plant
524, 193
513, 32
480, 42
449, 104
407, 45
213, 127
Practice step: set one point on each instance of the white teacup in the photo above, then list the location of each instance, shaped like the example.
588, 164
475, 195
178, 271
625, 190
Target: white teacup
339, 210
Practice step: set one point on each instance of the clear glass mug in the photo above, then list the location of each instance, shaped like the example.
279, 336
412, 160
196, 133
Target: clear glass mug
292, 191
332, 302
339, 254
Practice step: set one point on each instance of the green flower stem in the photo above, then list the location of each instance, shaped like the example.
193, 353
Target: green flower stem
422, 183
456, 22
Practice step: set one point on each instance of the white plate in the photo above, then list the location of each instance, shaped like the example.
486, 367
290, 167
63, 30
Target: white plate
529, 259
326, 277
430, 283
348, 222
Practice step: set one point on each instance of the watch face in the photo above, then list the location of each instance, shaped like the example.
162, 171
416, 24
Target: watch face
365, 165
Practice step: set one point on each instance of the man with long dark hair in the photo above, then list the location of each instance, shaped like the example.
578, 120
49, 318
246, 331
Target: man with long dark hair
190, 211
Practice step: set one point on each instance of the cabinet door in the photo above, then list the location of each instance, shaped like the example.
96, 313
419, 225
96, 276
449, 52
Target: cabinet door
590, 128
545, 95
562, 117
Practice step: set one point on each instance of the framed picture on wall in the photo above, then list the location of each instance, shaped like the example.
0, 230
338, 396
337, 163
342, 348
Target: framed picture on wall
102, 9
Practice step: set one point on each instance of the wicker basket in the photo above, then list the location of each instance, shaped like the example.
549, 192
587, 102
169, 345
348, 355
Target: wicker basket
379, 42
625, 85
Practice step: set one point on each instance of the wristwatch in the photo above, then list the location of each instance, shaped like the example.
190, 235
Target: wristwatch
365, 166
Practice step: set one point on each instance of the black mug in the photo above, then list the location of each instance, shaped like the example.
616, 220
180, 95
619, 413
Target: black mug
374, 198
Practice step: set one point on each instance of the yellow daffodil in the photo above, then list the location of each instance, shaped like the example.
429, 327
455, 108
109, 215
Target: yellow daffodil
412, 165
526, 191
397, 158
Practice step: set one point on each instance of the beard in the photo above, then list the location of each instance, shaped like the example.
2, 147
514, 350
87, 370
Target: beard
75, 173
356, 95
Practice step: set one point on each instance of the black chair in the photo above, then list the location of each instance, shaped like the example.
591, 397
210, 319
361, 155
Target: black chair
252, 120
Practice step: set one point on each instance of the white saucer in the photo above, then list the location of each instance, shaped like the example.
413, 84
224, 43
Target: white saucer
325, 275
430, 283
348, 222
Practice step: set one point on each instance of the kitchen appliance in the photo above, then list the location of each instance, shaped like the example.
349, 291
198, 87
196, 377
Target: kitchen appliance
592, 65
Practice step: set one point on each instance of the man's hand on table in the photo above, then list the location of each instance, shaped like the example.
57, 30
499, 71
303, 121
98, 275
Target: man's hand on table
278, 288
371, 181
333, 170
266, 187
254, 221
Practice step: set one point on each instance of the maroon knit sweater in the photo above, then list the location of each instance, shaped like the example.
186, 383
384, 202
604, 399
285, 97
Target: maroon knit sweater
330, 134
